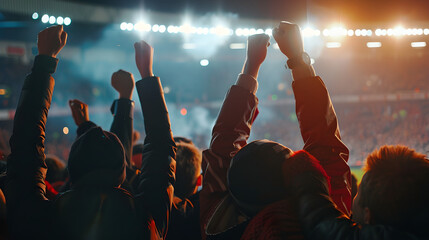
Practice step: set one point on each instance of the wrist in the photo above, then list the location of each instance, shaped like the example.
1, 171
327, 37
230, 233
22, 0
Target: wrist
127, 95
251, 69
144, 73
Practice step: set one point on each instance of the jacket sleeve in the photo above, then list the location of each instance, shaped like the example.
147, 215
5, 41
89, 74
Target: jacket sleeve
321, 220
321, 135
26, 189
122, 125
156, 181
229, 135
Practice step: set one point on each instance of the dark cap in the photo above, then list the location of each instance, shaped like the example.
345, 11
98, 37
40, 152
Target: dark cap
97, 151
255, 175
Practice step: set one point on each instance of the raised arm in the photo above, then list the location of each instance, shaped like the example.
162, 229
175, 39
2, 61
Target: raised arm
231, 129
157, 178
123, 111
25, 190
316, 115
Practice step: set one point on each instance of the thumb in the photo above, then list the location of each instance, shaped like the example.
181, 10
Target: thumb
63, 38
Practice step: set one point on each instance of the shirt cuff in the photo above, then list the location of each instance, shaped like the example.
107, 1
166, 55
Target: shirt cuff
123, 107
43, 63
248, 82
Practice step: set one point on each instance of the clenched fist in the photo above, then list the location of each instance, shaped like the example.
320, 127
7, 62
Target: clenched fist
256, 52
123, 82
51, 40
288, 37
79, 111
144, 58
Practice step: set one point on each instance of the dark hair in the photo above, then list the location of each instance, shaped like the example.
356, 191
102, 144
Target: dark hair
395, 188
183, 140
56, 169
188, 167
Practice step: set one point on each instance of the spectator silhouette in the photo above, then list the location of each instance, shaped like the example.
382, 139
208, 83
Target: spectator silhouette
391, 202
96, 207
185, 214
242, 179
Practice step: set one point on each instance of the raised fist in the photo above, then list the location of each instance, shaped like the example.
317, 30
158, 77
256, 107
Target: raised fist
257, 49
144, 58
123, 82
288, 37
79, 111
51, 40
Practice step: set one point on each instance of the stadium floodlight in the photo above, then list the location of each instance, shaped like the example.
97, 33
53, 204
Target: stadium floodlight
333, 44
155, 28
373, 44
52, 19
45, 18
259, 31
326, 32
170, 29
123, 26
67, 21
60, 20
389, 32
369, 32
138, 26
358, 32
350, 32
252, 31
238, 32
426, 31
419, 31
418, 44
310, 32
237, 46
204, 63
189, 46
246, 32
378, 32
130, 26
269, 31
317, 32
205, 31
162, 28
35, 15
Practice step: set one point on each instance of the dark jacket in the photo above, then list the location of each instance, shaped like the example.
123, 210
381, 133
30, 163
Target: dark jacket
322, 220
86, 212
185, 219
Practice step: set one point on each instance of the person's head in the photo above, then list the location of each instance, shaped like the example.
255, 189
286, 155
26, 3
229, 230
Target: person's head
56, 169
97, 157
255, 177
188, 170
394, 190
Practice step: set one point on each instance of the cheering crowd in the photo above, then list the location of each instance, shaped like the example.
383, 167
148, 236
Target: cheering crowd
111, 189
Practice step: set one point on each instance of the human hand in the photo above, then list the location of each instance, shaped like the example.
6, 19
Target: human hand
123, 83
144, 58
288, 37
51, 40
256, 52
79, 111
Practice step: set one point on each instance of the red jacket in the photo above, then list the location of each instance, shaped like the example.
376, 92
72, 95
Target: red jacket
319, 130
